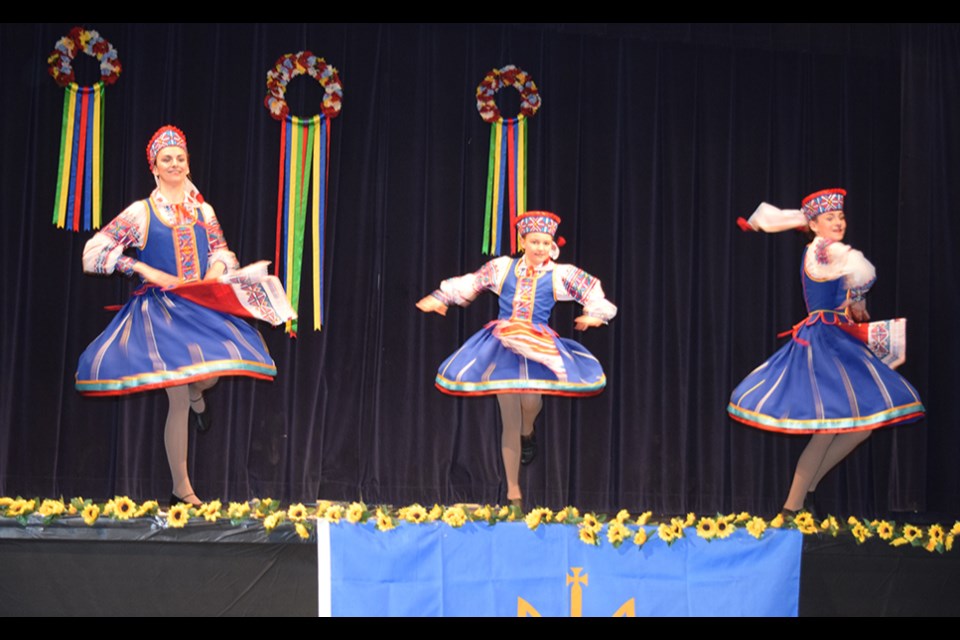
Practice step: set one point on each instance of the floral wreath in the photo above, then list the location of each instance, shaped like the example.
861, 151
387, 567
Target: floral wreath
291, 65
90, 43
508, 76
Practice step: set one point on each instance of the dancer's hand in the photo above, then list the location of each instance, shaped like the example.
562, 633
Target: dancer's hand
858, 311
585, 322
214, 272
155, 276
429, 304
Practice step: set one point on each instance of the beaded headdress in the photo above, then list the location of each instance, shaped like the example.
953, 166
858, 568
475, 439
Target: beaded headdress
823, 202
537, 221
166, 136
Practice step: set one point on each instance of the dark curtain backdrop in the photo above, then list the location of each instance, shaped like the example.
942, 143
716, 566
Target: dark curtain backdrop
651, 141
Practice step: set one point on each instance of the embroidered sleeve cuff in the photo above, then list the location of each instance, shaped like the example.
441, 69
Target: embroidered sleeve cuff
444, 298
859, 293
226, 257
601, 308
125, 265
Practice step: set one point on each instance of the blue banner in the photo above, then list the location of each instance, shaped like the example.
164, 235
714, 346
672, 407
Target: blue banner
508, 570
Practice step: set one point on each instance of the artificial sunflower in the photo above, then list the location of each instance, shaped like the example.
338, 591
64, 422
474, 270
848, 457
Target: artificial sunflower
384, 521
414, 514
49, 508
355, 512
484, 513
804, 522
666, 533
725, 528
297, 513
238, 510
677, 525
885, 530
271, 521
911, 533
90, 514
20, 507
178, 516
936, 533
333, 513
830, 525
756, 526
588, 536
707, 528
591, 522
644, 517
302, 530
535, 517
860, 533
148, 508
567, 515
123, 508
640, 538
455, 517
617, 532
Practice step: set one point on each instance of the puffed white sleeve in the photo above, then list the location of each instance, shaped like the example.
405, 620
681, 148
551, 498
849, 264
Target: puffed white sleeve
103, 253
218, 249
828, 260
772, 219
571, 283
462, 290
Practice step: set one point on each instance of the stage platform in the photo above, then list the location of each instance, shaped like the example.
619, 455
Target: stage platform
143, 568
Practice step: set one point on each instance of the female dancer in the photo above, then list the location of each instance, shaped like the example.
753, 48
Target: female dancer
518, 357
160, 339
824, 381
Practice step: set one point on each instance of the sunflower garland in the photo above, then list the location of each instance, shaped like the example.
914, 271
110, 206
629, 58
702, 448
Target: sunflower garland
592, 528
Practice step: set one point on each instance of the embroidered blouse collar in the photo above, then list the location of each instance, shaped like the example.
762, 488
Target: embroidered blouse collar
546, 266
189, 201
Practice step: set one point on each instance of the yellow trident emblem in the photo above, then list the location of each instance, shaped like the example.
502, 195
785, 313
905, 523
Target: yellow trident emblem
527, 610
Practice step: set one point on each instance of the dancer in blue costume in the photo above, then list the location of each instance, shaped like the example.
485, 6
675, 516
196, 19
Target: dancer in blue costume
824, 381
518, 357
160, 339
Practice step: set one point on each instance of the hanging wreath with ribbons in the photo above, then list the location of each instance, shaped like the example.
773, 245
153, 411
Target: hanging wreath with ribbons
304, 159
507, 165
80, 170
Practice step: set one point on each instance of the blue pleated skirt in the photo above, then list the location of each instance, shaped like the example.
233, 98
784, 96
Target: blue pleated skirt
484, 366
159, 339
824, 380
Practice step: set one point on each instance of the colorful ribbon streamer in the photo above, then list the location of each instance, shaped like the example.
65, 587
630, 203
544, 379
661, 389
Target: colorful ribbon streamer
304, 159
80, 168
506, 182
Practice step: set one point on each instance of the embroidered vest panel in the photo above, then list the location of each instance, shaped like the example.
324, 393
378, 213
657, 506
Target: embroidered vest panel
526, 296
179, 249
